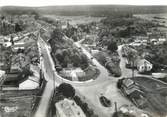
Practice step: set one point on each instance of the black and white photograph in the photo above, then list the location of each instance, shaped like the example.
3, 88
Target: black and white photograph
83, 58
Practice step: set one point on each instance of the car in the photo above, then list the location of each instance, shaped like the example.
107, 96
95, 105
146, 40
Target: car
104, 101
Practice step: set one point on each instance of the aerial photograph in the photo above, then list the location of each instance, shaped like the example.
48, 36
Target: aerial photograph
83, 58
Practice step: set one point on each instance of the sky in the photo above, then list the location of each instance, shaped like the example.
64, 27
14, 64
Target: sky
79, 2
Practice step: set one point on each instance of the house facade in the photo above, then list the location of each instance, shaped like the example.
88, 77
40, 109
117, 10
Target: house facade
144, 66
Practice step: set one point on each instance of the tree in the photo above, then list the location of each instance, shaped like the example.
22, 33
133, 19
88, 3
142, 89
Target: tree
112, 46
18, 27
67, 90
83, 61
57, 34
132, 56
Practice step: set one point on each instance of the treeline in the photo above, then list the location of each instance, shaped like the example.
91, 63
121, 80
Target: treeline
101, 10
89, 10
14, 10
124, 26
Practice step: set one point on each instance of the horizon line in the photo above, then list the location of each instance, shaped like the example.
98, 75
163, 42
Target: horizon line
80, 5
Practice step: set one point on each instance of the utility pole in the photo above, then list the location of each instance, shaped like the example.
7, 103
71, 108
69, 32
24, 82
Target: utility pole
116, 110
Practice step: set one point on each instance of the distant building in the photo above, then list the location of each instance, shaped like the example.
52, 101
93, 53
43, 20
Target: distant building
136, 44
161, 40
154, 41
7, 44
24, 41
68, 108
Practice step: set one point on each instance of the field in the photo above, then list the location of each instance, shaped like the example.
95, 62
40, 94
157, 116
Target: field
17, 103
73, 20
159, 18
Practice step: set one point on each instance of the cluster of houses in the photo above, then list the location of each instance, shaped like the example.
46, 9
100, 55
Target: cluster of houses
19, 62
21, 79
146, 40
141, 64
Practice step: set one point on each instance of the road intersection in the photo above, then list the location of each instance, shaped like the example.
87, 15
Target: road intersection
88, 91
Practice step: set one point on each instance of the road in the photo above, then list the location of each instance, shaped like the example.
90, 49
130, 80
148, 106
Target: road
125, 71
104, 84
49, 76
88, 91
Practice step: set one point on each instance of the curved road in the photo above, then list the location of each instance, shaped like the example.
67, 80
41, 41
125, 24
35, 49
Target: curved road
88, 91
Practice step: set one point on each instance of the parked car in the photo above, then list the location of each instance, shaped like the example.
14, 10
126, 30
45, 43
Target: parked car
104, 101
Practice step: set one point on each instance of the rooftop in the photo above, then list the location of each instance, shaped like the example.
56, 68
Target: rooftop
68, 108
128, 82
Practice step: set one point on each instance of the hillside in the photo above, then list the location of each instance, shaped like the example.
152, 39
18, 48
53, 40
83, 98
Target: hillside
91, 10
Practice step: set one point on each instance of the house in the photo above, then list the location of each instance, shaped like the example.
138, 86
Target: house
19, 45
31, 38
7, 44
132, 90
68, 108
32, 82
21, 81
2, 77
129, 87
144, 66
24, 42
144, 42
73, 73
154, 41
161, 40
136, 44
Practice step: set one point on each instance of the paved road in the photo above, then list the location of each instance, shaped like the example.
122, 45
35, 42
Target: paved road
104, 84
89, 91
49, 76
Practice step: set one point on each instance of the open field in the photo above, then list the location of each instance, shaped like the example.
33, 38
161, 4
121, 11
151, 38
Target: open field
17, 103
73, 20
159, 18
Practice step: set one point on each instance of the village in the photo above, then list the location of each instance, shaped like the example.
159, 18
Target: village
98, 67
